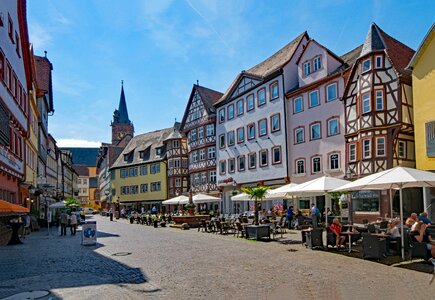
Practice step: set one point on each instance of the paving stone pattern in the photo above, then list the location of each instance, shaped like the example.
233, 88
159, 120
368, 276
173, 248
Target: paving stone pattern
166, 263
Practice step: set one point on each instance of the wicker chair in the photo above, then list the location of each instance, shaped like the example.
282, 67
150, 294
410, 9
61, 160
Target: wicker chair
239, 230
373, 247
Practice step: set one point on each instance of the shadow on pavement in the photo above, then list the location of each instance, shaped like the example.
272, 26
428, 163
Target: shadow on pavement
101, 234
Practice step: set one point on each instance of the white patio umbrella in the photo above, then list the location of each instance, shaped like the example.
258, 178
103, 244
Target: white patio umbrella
176, 200
281, 192
60, 204
203, 198
395, 178
318, 186
269, 196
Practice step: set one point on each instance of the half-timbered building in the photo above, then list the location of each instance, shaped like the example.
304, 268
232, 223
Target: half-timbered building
379, 129
198, 125
178, 163
250, 125
315, 117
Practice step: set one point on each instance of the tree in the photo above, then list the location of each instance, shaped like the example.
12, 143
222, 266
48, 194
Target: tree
71, 202
257, 194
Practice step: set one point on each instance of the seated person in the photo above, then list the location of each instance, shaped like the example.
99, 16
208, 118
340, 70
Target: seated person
420, 234
423, 217
336, 230
393, 229
411, 220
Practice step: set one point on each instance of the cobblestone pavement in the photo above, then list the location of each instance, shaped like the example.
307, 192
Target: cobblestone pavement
166, 263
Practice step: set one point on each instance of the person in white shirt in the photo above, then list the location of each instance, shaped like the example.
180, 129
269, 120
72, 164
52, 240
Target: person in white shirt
73, 223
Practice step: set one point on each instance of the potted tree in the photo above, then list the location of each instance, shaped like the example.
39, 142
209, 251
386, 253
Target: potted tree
257, 194
190, 208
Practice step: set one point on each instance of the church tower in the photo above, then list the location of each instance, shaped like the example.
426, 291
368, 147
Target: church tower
122, 127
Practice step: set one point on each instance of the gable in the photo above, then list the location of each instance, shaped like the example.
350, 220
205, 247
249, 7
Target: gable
244, 83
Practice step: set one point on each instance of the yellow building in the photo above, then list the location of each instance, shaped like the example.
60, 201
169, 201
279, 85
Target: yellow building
423, 88
139, 174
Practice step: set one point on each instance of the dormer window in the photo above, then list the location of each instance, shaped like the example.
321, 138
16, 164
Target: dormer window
158, 151
126, 157
141, 154
307, 68
317, 63
366, 65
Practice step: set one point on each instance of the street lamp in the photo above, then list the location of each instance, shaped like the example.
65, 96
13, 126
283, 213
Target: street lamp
117, 207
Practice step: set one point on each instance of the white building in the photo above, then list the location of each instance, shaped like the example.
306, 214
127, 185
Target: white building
250, 125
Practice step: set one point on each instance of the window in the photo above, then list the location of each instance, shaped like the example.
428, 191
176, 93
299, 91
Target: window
222, 115
132, 172
176, 144
402, 149
133, 189
230, 111
365, 201
261, 94
196, 179
240, 135
231, 165
177, 182
177, 163
79, 181
262, 127
334, 163
212, 176
352, 152
143, 170
263, 158
314, 98
155, 168
240, 107
113, 175
379, 99
333, 127
275, 123
251, 160
17, 42
241, 163
298, 105
274, 92
203, 178
195, 156
366, 65
10, 29
200, 132
307, 68
331, 92
155, 186
210, 129
193, 135
125, 190
430, 139
315, 131
379, 63
315, 164
276, 155
299, 135
222, 141
2, 66
202, 154
222, 167
367, 152
158, 151
380, 146
251, 131
250, 102
211, 152
231, 138
300, 166
317, 63
366, 103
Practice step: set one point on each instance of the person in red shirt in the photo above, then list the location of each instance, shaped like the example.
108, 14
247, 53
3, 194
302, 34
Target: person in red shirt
336, 230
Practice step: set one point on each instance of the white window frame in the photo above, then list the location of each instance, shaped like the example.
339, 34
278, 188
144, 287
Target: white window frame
363, 70
312, 138
307, 68
231, 112
329, 126
303, 166
231, 139
260, 157
327, 92
317, 63
302, 130
278, 118
231, 165
352, 152
380, 97
310, 97
211, 152
367, 152
202, 154
263, 91
403, 143
223, 167
363, 101
212, 176
210, 129
295, 100
264, 131
312, 164
222, 115
379, 66
380, 152
248, 98
331, 161
200, 132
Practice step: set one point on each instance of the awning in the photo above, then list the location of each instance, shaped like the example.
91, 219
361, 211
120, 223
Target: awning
7, 208
203, 198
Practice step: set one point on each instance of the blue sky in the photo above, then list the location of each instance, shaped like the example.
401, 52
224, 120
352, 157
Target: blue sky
161, 47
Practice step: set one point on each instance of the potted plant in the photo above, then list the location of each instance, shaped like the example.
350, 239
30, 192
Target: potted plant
190, 208
131, 218
234, 192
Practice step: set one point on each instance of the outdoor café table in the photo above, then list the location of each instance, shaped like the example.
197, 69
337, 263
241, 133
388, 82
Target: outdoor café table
15, 240
304, 233
349, 234
381, 235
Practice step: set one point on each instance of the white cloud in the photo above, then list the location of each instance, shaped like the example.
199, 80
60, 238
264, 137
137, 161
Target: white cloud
77, 143
40, 37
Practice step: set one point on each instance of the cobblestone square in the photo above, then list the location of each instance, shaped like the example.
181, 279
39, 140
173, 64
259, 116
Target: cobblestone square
134, 261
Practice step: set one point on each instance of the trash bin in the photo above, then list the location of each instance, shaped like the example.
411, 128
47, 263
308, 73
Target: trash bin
89, 233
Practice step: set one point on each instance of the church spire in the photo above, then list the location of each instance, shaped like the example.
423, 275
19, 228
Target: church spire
121, 114
121, 125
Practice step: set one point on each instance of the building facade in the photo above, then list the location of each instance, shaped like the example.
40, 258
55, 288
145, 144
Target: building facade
15, 75
379, 130
139, 174
315, 118
178, 162
198, 125
250, 126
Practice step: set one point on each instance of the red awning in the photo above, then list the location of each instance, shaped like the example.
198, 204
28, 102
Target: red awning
7, 208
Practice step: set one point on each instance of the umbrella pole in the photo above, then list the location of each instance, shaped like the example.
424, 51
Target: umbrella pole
401, 222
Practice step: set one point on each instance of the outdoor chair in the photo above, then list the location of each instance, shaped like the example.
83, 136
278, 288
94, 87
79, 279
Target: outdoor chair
275, 229
315, 239
202, 224
419, 250
222, 229
239, 230
331, 239
371, 228
211, 227
373, 247
282, 224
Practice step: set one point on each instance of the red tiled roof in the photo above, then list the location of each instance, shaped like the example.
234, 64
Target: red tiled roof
43, 73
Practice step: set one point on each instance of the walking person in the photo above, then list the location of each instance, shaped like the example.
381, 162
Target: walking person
63, 223
73, 223
289, 217
314, 214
